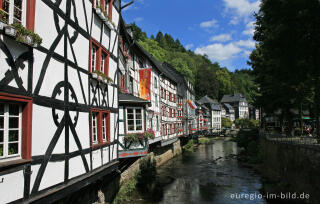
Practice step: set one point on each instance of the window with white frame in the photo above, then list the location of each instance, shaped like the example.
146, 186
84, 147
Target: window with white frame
94, 127
100, 126
156, 100
15, 11
134, 119
104, 127
94, 50
102, 62
10, 130
155, 82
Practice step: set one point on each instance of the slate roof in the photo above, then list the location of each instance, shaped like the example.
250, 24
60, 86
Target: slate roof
206, 99
233, 98
227, 105
128, 98
214, 105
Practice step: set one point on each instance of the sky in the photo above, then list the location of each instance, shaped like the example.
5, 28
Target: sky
221, 29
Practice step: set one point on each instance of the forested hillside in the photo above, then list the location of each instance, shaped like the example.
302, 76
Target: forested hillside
208, 78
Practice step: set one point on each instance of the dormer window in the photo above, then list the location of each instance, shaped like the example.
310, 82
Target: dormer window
18, 11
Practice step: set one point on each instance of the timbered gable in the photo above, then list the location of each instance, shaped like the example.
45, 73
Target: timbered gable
58, 85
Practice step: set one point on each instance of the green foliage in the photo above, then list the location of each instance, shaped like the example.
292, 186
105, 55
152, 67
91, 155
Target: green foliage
132, 137
147, 174
99, 73
126, 190
226, 122
204, 140
189, 147
209, 78
1, 150
246, 123
22, 31
3, 16
137, 33
249, 140
153, 48
286, 59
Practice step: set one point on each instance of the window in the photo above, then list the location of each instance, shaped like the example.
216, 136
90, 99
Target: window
134, 120
106, 6
157, 118
131, 85
100, 126
99, 58
156, 100
15, 127
94, 50
18, 11
155, 82
10, 130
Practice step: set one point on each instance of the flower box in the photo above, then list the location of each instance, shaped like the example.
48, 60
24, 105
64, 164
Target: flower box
98, 11
109, 24
101, 15
10, 30
94, 75
28, 40
2, 25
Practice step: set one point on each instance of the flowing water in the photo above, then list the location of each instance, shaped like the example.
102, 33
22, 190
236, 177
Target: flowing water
211, 174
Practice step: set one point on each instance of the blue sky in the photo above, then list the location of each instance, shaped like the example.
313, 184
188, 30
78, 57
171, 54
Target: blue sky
222, 29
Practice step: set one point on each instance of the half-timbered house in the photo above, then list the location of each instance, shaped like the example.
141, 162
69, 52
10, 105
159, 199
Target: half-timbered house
58, 99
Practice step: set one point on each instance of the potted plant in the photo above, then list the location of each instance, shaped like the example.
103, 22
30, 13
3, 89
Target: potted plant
109, 23
149, 134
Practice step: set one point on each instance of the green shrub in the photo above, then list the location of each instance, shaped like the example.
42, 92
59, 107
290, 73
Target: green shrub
226, 122
147, 174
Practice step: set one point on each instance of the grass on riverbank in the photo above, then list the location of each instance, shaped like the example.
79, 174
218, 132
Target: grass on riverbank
189, 147
126, 191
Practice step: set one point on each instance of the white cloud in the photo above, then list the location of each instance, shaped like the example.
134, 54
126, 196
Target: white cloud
138, 19
241, 9
221, 38
189, 46
245, 43
209, 24
218, 51
228, 51
249, 29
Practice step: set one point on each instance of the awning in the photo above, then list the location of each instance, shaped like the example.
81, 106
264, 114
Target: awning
192, 104
130, 99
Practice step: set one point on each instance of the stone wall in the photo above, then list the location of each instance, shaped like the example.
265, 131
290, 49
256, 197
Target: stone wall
161, 155
291, 168
105, 190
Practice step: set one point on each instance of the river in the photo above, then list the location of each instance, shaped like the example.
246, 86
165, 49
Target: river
210, 174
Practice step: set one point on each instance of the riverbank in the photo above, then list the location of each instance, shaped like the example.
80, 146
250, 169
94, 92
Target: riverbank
129, 178
209, 174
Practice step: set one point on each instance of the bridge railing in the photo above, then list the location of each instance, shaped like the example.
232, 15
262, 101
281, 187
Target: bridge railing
304, 140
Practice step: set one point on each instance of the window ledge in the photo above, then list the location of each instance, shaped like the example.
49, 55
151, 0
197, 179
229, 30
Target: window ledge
13, 163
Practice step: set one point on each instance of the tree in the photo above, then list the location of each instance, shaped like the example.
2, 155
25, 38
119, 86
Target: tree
137, 33
226, 122
224, 80
286, 59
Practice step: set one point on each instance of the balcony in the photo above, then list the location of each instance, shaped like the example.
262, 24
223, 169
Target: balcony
136, 148
135, 144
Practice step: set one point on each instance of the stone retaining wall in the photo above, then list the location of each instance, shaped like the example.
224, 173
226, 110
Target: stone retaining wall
161, 158
290, 168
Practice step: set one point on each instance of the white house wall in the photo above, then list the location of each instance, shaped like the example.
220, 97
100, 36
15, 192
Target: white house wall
49, 69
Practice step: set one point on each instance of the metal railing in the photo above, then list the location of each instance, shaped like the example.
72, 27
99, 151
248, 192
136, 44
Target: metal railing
304, 140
